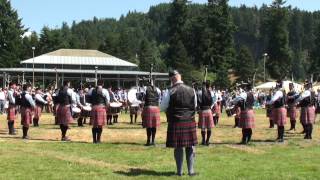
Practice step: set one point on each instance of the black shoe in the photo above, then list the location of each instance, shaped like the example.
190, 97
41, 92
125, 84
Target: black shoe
148, 144
25, 137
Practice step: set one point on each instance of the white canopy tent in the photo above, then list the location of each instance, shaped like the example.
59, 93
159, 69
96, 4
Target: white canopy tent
270, 85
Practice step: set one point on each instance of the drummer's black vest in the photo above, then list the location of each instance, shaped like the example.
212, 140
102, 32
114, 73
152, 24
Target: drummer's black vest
291, 93
152, 96
181, 106
38, 103
247, 104
63, 97
280, 102
97, 97
309, 101
205, 99
24, 102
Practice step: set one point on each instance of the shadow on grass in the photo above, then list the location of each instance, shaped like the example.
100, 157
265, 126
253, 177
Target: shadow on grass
144, 172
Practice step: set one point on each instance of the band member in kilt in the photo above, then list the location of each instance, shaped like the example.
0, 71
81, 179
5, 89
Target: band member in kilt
81, 101
180, 105
11, 111
134, 109
27, 105
292, 108
269, 109
216, 110
100, 99
151, 113
40, 102
279, 112
307, 115
110, 113
66, 97
205, 114
247, 121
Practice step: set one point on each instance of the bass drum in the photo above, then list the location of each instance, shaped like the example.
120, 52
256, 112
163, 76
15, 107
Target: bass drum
132, 96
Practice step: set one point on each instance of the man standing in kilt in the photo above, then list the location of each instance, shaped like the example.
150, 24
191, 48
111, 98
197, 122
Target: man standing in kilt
205, 114
151, 113
292, 108
247, 121
40, 102
11, 111
66, 97
180, 105
100, 99
307, 115
279, 112
27, 104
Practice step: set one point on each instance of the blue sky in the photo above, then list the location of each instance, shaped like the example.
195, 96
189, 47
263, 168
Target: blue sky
37, 13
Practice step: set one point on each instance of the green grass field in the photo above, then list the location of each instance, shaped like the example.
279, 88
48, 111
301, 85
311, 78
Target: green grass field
122, 154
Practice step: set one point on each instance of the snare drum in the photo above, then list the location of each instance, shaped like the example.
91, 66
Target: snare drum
115, 108
231, 111
76, 112
86, 111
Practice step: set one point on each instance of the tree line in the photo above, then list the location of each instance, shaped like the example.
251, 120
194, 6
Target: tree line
231, 41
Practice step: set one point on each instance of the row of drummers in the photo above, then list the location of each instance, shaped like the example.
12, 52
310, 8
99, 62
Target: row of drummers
280, 106
119, 100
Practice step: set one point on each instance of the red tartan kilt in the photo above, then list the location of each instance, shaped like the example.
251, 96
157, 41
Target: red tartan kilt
151, 117
11, 113
279, 116
64, 115
216, 110
26, 116
205, 120
247, 119
98, 116
182, 134
292, 112
307, 115
37, 112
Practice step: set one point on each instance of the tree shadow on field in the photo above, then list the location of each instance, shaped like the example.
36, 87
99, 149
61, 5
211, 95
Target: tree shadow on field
145, 172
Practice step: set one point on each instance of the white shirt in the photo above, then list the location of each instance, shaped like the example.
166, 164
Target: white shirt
2, 96
39, 98
305, 94
11, 98
166, 99
276, 96
30, 99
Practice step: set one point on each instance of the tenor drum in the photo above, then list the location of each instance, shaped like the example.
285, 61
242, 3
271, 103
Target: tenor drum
115, 108
86, 111
76, 112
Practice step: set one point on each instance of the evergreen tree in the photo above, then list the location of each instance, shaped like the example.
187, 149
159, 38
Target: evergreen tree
279, 61
10, 35
245, 67
177, 56
315, 56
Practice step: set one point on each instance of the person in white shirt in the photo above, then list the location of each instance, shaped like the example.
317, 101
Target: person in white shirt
11, 111
307, 115
279, 112
27, 106
40, 102
180, 106
100, 100
66, 98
